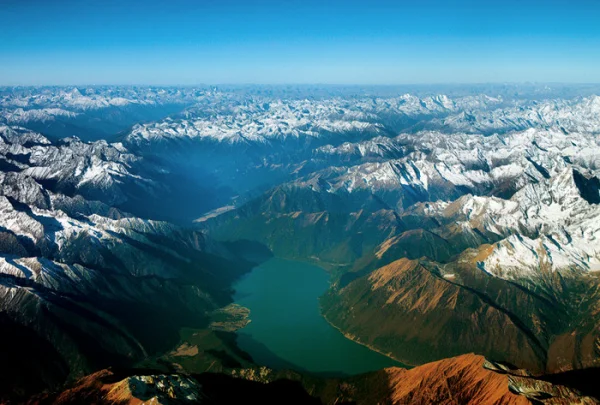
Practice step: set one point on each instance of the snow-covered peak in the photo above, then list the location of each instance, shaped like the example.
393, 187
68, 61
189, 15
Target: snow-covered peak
578, 115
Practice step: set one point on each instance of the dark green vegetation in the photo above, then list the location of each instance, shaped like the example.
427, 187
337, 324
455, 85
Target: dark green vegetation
434, 243
100, 318
437, 301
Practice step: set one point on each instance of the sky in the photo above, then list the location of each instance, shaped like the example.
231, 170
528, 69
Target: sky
289, 41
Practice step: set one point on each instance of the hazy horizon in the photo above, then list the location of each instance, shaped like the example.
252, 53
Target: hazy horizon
308, 84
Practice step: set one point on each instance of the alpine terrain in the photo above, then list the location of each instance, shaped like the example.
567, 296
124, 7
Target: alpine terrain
456, 230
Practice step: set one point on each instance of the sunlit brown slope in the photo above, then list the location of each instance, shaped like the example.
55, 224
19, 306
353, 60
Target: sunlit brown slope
416, 314
471, 380
464, 380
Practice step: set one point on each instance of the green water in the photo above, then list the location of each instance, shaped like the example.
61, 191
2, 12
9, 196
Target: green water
287, 329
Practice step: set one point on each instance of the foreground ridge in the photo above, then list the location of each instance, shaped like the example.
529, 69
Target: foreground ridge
468, 380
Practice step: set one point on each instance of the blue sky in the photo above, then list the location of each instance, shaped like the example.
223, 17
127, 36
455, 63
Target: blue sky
339, 42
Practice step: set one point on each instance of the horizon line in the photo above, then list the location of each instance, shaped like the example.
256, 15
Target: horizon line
304, 84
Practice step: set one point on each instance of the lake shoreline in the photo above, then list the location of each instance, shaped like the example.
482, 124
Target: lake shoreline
288, 327
348, 336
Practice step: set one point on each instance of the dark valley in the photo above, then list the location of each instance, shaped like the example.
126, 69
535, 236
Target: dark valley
300, 244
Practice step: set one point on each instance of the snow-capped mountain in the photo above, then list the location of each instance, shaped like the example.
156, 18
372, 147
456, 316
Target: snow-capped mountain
578, 115
445, 218
548, 225
505, 224
264, 121
76, 275
90, 113
96, 170
90, 98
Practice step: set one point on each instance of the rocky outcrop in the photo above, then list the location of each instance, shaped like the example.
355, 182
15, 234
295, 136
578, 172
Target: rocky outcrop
470, 379
463, 380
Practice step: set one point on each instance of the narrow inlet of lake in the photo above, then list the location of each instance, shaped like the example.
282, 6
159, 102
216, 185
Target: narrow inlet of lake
287, 330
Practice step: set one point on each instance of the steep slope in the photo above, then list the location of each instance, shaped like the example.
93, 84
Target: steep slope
346, 213
470, 379
480, 220
96, 171
106, 172
93, 293
467, 379
576, 115
272, 140
416, 314
537, 285
91, 113
523, 266
82, 284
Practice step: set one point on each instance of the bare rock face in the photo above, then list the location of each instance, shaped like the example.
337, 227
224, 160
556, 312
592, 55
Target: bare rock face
82, 281
450, 225
460, 380
504, 227
157, 389
464, 380
470, 379
104, 387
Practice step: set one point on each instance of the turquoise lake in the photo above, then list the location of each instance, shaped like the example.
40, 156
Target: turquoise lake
287, 329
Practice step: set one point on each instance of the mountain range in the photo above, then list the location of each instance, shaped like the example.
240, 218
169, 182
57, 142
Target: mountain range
450, 223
